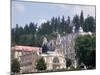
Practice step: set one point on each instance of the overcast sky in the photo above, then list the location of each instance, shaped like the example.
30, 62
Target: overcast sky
26, 12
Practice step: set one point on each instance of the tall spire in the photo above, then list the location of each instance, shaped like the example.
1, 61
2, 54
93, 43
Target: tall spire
81, 30
73, 29
58, 39
44, 41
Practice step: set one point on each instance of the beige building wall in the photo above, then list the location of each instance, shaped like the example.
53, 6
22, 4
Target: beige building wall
49, 59
28, 62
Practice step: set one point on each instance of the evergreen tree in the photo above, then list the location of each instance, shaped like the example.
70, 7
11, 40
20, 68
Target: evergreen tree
32, 28
85, 50
68, 62
30, 34
41, 65
81, 19
68, 26
44, 48
13, 36
58, 24
89, 24
17, 34
26, 29
76, 22
68, 20
53, 24
15, 66
63, 24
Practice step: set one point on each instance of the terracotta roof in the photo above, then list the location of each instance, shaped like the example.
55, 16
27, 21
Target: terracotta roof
25, 48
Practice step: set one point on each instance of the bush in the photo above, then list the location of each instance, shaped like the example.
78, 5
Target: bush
15, 66
41, 65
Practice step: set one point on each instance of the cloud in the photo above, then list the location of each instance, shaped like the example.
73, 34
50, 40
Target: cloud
76, 9
20, 7
87, 10
41, 21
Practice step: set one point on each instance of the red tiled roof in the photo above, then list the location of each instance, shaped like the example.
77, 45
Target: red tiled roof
25, 48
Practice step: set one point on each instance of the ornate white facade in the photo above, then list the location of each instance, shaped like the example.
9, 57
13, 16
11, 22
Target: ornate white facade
54, 60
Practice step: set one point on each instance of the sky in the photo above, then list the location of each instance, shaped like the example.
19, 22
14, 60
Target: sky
24, 12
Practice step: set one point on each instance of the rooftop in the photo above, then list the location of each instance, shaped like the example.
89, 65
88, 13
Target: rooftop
25, 48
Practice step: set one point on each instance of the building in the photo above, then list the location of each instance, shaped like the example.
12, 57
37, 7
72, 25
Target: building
27, 57
61, 48
54, 57
55, 52
54, 60
28, 62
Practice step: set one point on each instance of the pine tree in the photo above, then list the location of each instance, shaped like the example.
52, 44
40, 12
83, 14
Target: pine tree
81, 19
76, 22
85, 50
15, 66
89, 24
41, 65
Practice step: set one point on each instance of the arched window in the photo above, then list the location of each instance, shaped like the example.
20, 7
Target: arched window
55, 60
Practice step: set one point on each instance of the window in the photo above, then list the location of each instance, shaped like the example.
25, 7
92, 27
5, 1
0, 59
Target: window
55, 60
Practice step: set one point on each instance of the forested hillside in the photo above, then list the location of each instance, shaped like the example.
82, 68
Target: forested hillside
32, 35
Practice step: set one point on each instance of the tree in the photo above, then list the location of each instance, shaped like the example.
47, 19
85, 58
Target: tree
81, 19
63, 24
26, 39
44, 48
17, 33
68, 20
45, 28
41, 65
68, 62
58, 23
76, 22
15, 66
13, 35
68, 27
89, 24
30, 34
26, 29
85, 50
32, 28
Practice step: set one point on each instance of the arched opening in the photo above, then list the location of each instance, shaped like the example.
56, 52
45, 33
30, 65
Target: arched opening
55, 60
56, 63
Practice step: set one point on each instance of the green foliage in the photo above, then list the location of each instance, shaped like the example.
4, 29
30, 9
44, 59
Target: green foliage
41, 65
24, 36
81, 19
31, 35
15, 66
44, 48
85, 50
26, 39
68, 62
89, 24
76, 22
